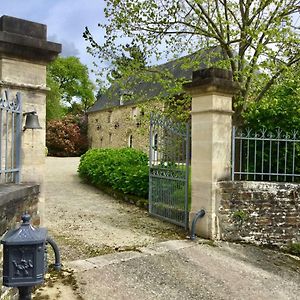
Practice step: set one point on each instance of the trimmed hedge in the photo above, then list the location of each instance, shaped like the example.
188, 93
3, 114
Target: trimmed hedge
124, 170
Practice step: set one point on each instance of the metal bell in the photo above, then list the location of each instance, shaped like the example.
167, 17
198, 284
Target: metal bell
32, 121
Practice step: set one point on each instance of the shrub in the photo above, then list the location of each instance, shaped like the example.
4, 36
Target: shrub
124, 169
66, 137
294, 248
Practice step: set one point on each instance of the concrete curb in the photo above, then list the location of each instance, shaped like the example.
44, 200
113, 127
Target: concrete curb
119, 257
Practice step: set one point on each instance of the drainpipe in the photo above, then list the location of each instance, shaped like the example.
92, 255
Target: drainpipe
57, 264
200, 214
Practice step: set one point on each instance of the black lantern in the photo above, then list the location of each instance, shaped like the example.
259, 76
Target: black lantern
24, 255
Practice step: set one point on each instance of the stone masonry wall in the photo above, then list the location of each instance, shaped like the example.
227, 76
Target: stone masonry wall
14, 201
112, 128
259, 212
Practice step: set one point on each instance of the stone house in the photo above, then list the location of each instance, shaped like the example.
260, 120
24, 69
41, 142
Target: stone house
120, 118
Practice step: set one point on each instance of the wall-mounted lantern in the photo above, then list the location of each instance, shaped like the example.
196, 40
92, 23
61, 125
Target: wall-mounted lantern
24, 257
32, 121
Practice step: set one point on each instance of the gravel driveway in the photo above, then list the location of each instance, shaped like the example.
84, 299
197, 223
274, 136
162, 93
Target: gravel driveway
85, 222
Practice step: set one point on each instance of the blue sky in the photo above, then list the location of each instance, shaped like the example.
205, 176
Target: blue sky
65, 20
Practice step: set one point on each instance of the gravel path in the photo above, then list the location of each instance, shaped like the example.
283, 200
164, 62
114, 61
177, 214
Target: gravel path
85, 222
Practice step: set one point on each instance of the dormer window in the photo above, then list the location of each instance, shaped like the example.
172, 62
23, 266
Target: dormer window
125, 97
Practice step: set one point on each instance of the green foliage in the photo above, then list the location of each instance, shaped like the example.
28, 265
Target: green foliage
131, 58
66, 137
255, 37
240, 216
294, 248
54, 108
72, 79
124, 169
179, 108
277, 113
279, 108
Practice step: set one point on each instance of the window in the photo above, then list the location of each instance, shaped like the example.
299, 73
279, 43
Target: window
155, 142
134, 112
125, 97
109, 117
122, 100
130, 139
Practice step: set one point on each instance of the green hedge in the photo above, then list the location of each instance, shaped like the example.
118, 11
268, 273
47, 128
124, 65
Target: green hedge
124, 170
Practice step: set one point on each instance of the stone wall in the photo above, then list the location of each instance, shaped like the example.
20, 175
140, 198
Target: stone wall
259, 212
14, 201
112, 128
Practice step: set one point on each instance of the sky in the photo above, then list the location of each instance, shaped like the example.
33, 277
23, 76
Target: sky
65, 20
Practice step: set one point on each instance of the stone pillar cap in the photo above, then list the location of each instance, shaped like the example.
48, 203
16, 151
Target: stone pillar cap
212, 80
26, 40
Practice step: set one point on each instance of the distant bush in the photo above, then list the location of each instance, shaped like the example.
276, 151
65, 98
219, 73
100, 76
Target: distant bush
124, 169
66, 137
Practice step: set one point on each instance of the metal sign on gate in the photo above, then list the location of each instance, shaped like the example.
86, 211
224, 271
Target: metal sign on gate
169, 159
10, 138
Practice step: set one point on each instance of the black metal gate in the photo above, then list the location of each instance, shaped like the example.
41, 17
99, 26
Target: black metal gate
169, 158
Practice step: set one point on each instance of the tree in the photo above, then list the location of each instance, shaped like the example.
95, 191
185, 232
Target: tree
73, 81
258, 38
54, 107
280, 108
131, 58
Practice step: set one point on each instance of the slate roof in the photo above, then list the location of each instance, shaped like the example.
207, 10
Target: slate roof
149, 90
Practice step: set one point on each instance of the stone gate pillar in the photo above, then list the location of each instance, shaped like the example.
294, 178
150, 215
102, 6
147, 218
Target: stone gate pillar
24, 55
211, 91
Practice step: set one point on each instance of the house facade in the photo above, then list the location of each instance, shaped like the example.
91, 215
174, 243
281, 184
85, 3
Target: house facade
120, 118
122, 126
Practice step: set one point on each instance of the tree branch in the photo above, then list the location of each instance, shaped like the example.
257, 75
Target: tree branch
274, 77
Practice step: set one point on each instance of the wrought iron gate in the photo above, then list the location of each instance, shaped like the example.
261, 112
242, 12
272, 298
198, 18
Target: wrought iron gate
169, 159
10, 138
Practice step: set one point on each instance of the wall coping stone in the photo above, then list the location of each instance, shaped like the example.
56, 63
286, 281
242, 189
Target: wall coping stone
9, 192
260, 184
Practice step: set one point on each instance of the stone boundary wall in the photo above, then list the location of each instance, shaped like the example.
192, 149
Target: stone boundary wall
14, 201
263, 213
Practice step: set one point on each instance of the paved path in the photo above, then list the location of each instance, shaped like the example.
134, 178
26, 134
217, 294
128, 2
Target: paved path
140, 264
185, 270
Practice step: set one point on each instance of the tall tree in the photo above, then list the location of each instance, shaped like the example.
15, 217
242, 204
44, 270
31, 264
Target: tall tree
131, 57
54, 107
73, 81
256, 36
280, 107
